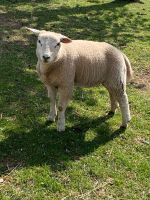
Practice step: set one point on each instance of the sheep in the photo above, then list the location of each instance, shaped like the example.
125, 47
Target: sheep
64, 63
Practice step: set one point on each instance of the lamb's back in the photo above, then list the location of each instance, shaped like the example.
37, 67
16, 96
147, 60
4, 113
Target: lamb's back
91, 61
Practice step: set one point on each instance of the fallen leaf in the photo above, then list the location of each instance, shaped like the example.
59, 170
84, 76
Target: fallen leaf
1, 180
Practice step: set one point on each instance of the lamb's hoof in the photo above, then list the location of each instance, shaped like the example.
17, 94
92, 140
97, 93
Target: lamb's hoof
111, 113
123, 127
48, 122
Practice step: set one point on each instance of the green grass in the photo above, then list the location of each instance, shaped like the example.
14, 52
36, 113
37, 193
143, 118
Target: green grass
93, 159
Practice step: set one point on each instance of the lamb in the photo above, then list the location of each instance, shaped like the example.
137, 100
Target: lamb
64, 63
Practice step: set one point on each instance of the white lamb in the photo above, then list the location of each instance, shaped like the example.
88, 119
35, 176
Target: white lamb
63, 63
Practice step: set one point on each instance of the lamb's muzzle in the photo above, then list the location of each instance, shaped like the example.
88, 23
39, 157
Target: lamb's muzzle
83, 63
45, 58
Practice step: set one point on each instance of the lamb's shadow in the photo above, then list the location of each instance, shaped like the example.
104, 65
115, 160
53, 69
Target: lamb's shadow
44, 145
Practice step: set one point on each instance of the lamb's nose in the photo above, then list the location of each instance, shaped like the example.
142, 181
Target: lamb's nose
46, 57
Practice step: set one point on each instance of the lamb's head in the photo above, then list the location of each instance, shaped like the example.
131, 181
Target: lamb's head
48, 45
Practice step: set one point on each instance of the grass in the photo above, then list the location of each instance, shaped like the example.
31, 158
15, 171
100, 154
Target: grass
93, 159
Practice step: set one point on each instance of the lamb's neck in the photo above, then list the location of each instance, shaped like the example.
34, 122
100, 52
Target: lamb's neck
44, 68
48, 67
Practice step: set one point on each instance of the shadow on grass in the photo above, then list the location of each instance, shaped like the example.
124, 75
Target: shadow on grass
110, 21
44, 145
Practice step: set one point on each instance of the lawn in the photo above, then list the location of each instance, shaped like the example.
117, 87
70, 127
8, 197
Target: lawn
93, 159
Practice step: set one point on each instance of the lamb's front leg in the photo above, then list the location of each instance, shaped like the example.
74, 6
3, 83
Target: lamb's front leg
52, 91
38, 67
64, 97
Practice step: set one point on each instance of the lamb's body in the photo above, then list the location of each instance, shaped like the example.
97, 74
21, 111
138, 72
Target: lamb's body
86, 64
93, 62
89, 62
82, 63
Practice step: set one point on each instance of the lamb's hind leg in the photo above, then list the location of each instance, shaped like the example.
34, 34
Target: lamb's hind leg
113, 102
53, 110
125, 111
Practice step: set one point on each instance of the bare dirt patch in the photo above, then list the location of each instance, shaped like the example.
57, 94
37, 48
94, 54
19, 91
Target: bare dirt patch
141, 81
6, 22
10, 164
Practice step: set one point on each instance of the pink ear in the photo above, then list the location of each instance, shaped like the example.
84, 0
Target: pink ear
65, 40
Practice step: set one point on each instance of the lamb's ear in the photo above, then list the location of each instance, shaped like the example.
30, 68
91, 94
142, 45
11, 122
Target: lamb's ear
65, 39
35, 31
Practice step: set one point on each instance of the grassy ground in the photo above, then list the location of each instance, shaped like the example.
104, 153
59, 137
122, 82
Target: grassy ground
93, 159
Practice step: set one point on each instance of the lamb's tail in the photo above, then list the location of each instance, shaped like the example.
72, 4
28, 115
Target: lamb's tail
129, 68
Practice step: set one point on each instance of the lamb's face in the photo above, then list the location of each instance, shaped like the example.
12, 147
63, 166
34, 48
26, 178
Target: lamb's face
48, 45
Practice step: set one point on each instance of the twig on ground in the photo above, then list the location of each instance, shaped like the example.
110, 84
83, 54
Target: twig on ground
86, 194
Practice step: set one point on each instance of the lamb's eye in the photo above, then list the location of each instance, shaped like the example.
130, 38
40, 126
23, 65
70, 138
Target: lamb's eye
57, 45
39, 41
